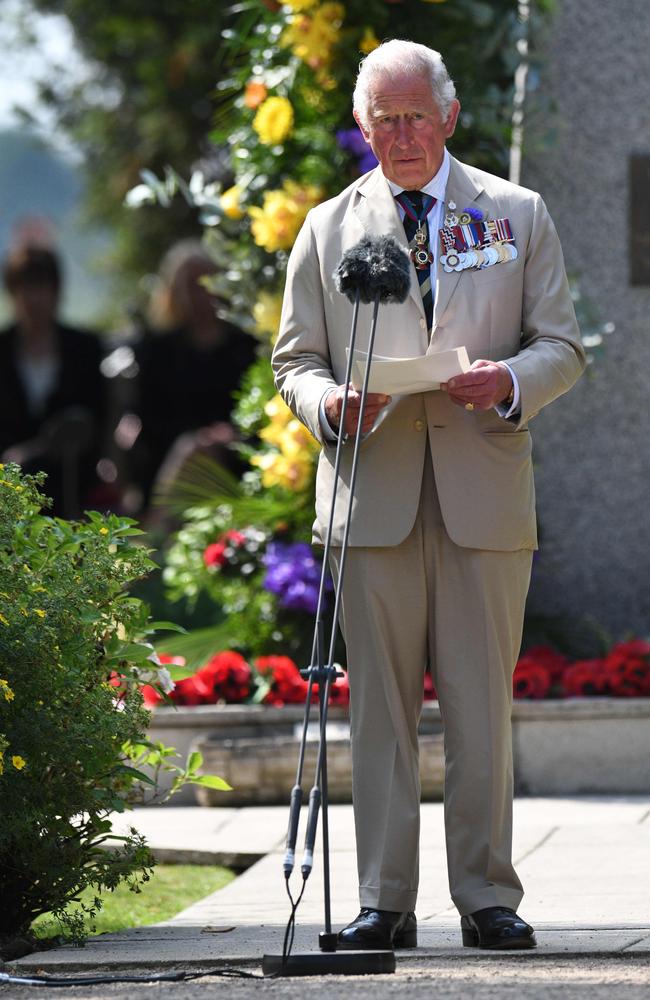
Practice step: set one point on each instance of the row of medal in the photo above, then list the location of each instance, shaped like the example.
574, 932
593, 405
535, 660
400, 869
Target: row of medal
469, 243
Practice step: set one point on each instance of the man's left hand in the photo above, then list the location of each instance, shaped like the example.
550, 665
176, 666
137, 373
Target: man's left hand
486, 384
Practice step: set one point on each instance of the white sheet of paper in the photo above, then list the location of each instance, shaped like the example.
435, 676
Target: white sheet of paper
403, 376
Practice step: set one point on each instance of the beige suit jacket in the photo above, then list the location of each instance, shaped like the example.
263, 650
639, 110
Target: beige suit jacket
520, 312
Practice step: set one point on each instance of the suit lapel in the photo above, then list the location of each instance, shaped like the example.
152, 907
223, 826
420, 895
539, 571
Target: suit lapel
378, 214
463, 190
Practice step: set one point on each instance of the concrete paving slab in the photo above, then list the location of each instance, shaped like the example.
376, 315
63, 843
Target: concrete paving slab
641, 946
197, 948
233, 837
584, 864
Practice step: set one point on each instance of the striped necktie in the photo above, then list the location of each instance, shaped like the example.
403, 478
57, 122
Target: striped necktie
416, 208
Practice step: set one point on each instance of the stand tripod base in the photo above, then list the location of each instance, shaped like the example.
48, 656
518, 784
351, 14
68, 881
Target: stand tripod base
337, 963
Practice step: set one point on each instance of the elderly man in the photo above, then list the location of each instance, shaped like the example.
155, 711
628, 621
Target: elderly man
443, 517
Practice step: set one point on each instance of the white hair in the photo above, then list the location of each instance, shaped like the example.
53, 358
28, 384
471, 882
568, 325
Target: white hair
398, 57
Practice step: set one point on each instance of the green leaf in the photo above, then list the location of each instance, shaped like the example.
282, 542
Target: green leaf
196, 646
201, 480
165, 627
134, 773
194, 761
211, 781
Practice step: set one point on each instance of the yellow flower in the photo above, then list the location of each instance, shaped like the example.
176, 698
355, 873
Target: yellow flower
6, 690
40, 612
277, 470
103, 531
274, 120
292, 464
277, 411
266, 313
300, 5
275, 225
314, 98
230, 202
18, 762
369, 41
296, 441
312, 38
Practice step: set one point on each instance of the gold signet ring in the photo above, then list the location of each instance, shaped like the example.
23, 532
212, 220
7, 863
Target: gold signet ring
469, 406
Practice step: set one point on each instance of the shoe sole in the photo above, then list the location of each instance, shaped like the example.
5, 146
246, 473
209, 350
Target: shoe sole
471, 939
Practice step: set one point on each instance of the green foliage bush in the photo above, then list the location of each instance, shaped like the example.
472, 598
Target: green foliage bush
72, 650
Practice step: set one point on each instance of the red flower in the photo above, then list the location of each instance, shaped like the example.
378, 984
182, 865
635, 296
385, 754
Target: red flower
227, 676
287, 686
545, 656
628, 664
216, 554
340, 691
151, 696
531, 680
430, 693
191, 691
585, 678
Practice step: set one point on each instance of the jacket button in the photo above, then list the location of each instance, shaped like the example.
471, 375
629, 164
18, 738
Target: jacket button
423, 324
419, 425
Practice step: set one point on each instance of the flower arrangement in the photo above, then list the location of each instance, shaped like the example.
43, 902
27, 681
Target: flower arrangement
624, 672
227, 678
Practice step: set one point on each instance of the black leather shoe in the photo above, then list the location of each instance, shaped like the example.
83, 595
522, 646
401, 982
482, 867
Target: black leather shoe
380, 929
496, 927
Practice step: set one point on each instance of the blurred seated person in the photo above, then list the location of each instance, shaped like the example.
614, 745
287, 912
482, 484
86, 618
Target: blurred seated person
189, 369
51, 389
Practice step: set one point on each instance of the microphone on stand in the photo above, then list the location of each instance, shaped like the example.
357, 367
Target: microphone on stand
375, 270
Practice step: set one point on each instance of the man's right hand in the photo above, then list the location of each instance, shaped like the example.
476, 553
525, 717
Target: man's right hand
375, 402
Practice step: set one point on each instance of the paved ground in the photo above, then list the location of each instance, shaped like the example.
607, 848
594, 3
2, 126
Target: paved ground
585, 864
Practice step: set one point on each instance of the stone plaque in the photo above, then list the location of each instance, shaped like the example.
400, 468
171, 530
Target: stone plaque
640, 219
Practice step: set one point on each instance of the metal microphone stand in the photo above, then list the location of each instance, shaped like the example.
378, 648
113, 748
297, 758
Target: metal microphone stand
322, 671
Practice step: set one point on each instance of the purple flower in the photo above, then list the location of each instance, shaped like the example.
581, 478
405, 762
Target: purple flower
352, 141
293, 575
476, 214
368, 161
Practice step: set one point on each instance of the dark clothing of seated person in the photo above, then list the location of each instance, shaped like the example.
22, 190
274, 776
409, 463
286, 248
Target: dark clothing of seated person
188, 373
51, 388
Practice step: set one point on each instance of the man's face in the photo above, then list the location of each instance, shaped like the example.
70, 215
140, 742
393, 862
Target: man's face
406, 130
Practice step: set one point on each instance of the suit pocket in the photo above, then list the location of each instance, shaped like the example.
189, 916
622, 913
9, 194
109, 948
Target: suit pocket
497, 272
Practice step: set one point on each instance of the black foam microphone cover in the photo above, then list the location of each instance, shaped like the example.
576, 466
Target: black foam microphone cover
376, 266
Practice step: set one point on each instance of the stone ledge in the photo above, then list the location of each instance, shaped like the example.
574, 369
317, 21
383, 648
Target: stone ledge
561, 747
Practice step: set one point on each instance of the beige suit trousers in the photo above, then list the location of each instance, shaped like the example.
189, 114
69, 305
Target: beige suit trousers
461, 610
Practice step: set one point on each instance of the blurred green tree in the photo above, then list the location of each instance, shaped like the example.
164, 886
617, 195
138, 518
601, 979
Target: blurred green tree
144, 101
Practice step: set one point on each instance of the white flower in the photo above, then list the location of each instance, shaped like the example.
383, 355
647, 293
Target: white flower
141, 194
165, 680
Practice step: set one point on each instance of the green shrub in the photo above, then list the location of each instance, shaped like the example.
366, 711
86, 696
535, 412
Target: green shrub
72, 651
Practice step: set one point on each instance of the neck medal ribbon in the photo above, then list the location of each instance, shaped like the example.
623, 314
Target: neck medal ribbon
470, 240
420, 253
